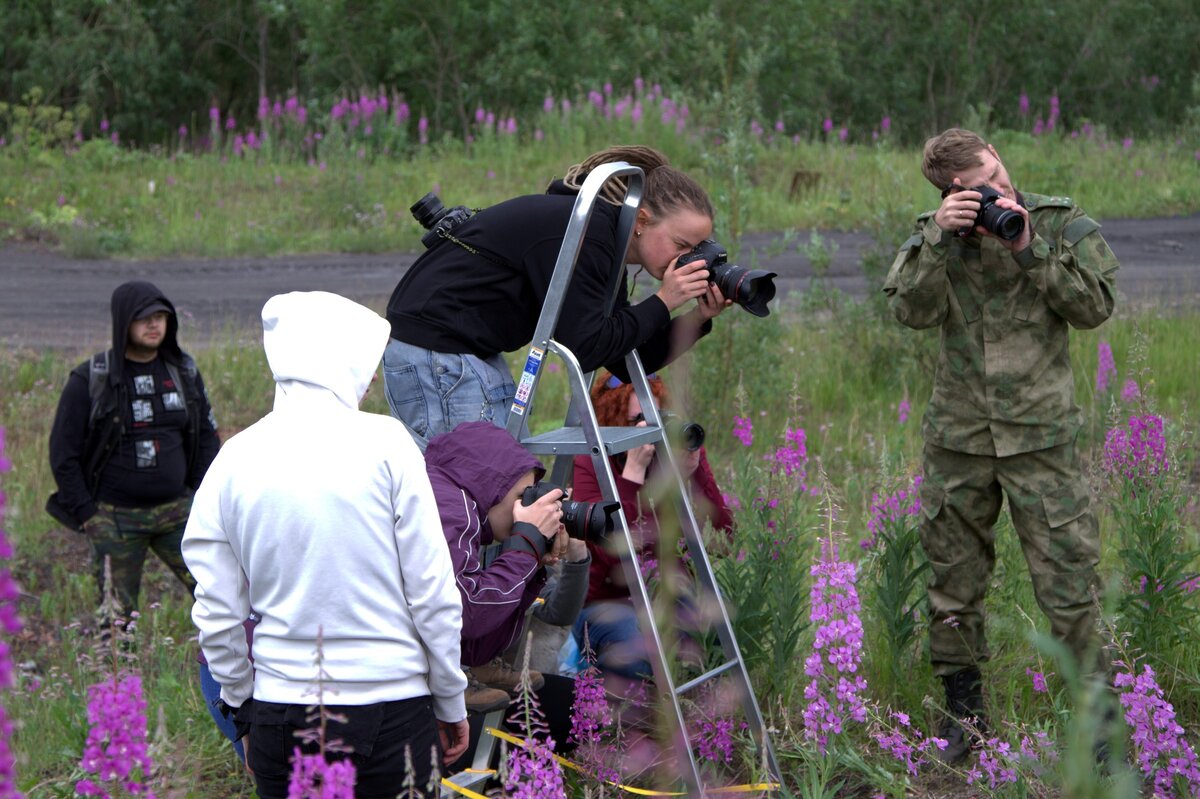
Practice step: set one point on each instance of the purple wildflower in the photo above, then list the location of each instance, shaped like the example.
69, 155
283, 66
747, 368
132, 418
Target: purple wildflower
1138, 451
1023, 104
903, 409
183, 131
743, 430
906, 743
827, 125
1130, 392
833, 692
1162, 753
315, 778
1106, 368
714, 740
116, 748
1038, 679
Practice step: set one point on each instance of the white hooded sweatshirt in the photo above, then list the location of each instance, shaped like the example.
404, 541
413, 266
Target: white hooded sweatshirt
321, 518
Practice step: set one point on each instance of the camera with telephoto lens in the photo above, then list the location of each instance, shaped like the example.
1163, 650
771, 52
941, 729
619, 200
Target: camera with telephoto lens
437, 218
587, 521
750, 288
687, 435
995, 220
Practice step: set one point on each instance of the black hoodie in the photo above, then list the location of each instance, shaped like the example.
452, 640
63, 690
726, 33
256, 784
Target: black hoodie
454, 300
92, 443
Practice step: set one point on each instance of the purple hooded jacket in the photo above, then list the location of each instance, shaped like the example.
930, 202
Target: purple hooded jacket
471, 468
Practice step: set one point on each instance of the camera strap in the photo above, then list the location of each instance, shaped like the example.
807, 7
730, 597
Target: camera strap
448, 236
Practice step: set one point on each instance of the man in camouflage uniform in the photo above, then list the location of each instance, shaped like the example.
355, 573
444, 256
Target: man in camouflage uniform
132, 439
1002, 418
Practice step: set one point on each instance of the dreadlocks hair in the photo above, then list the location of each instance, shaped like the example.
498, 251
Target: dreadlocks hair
667, 189
952, 151
612, 404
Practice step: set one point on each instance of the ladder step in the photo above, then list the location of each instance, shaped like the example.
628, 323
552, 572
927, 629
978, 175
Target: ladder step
703, 678
571, 441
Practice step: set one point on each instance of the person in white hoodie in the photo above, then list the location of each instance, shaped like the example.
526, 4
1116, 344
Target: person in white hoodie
321, 518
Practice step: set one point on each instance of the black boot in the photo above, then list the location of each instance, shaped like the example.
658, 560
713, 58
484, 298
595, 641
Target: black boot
964, 700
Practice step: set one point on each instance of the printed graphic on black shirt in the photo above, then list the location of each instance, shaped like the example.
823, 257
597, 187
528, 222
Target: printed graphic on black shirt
143, 385
143, 411
146, 453
172, 401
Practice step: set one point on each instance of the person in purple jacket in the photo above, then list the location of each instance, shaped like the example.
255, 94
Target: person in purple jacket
478, 473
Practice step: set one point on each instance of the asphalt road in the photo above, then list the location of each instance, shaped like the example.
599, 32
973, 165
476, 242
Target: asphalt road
50, 301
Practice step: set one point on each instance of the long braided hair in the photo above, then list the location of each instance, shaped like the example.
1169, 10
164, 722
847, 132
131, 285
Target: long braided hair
667, 189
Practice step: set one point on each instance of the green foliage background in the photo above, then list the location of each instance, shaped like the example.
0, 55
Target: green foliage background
150, 65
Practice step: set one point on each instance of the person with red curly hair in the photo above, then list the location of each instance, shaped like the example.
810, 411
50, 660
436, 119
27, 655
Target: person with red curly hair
608, 615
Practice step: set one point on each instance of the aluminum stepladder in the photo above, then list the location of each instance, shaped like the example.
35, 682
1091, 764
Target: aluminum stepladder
582, 435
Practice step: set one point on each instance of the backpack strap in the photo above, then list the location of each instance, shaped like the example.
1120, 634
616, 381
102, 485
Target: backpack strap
98, 371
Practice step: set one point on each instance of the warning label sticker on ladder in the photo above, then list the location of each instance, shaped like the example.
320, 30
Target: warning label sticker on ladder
525, 386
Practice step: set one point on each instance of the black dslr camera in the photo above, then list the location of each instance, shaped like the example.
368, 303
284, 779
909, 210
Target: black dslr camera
750, 288
437, 218
998, 221
588, 521
687, 435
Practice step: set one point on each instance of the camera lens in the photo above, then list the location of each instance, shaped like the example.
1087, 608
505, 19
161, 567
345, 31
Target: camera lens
750, 288
428, 210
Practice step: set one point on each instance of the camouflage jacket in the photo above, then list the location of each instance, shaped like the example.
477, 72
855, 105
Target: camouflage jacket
1003, 383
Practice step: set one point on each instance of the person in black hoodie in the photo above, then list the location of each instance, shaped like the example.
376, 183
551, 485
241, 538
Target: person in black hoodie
131, 441
477, 294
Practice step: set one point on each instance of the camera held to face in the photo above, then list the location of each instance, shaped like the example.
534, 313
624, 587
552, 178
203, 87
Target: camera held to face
437, 218
587, 521
683, 435
750, 288
998, 221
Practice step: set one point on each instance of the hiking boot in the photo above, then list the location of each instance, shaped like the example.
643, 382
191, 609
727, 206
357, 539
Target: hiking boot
499, 674
481, 699
964, 702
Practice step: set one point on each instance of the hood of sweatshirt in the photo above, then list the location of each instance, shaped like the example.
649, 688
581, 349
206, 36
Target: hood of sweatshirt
480, 458
129, 300
318, 343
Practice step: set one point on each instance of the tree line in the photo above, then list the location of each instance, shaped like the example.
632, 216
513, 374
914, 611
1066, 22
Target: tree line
147, 66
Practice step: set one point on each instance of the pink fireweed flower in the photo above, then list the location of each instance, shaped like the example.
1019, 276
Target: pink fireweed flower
1130, 392
533, 773
1023, 104
214, 114
843, 133
1039, 681
315, 778
792, 458
834, 690
906, 743
1160, 749
743, 430
885, 125
902, 410
104, 126
1106, 368
183, 131
1127, 143
779, 126
116, 750
714, 740
827, 125
1137, 451
901, 506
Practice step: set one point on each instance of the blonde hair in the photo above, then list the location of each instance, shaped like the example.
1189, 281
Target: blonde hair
666, 190
950, 152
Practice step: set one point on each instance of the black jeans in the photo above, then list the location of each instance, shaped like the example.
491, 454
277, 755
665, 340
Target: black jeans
373, 737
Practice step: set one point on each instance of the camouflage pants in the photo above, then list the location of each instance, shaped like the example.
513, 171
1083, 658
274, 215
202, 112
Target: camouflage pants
123, 535
1049, 502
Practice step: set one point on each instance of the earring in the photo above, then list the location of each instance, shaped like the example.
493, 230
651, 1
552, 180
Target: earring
637, 233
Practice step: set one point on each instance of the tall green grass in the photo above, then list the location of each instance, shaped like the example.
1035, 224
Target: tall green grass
839, 375
103, 200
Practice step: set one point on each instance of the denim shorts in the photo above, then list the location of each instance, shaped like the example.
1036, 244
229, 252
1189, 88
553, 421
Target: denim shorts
434, 392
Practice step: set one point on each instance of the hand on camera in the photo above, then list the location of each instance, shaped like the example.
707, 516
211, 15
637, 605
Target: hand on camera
545, 514
558, 548
683, 283
637, 461
958, 210
710, 304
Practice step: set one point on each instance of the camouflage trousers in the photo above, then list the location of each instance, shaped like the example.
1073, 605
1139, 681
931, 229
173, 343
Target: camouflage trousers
123, 535
1050, 505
